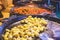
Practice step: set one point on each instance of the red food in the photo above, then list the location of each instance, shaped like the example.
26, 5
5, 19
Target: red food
31, 10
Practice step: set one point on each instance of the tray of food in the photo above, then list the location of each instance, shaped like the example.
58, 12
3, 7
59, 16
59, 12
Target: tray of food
28, 27
31, 9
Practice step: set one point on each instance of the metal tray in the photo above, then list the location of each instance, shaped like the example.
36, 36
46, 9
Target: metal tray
16, 19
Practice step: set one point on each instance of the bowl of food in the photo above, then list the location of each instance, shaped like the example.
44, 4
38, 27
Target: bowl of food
29, 28
31, 9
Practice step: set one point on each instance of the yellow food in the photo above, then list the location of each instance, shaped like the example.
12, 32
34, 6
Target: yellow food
26, 31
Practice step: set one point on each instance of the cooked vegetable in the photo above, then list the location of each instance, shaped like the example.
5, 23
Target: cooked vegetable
28, 31
31, 10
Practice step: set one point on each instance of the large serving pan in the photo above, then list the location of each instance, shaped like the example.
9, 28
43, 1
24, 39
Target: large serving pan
14, 20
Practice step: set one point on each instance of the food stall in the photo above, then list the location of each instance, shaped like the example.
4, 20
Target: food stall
31, 20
